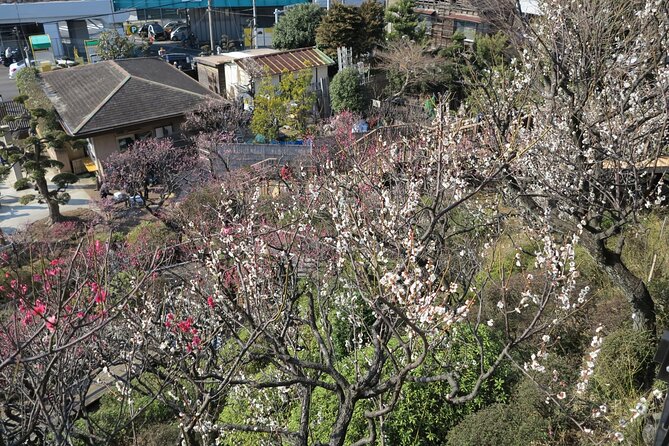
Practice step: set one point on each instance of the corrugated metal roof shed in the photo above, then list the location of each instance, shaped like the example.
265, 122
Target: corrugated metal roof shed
288, 61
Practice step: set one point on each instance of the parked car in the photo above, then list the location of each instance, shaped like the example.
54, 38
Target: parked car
8, 59
152, 30
180, 33
182, 61
66, 62
171, 26
18, 66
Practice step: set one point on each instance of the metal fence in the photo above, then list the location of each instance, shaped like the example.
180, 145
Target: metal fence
237, 156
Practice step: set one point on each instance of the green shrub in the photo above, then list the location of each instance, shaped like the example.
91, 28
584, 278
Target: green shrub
26, 199
346, 92
424, 416
620, 369
519, 422
23, 184
113, 416
158, 435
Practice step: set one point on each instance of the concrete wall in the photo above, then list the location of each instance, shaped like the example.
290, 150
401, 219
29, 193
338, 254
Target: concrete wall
66, 156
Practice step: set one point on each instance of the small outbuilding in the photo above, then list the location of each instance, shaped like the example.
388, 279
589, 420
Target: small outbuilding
236, 74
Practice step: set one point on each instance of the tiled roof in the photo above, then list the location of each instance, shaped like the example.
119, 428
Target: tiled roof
291, 60
19, 114
99, 97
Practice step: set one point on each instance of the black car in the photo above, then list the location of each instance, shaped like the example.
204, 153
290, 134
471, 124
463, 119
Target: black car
152, 30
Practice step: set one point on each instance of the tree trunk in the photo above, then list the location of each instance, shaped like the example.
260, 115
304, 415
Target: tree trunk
344, 415
304, 416
54, 209
635, 290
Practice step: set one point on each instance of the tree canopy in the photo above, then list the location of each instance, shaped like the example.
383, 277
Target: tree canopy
114, 46
404, 21
297, 27
341, 26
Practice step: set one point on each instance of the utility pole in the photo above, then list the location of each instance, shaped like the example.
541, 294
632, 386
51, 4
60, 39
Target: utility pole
254, 31
211, 26
276, 16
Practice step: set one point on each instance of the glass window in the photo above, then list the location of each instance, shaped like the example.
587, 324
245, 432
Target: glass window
125, 141
466, 28
163, 132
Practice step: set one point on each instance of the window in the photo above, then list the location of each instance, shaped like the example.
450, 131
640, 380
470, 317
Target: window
125, 141
466, 28
164, 131
144, 135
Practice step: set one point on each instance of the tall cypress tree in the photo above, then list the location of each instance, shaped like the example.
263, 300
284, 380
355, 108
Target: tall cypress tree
372, 13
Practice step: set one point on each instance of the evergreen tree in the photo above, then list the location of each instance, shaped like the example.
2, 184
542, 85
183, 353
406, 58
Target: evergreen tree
404, 21
33, 157
32, 153
372, 13
285, 104
297, 27
341, 26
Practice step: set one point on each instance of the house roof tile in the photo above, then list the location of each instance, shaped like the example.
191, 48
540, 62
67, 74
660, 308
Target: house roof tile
99, 97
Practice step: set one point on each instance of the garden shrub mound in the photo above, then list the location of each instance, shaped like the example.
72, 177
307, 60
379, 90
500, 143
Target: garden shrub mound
516, 423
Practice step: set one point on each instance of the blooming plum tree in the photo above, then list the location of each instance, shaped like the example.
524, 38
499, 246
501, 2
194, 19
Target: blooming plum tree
580, 124
58, 331
345, 284
153, 162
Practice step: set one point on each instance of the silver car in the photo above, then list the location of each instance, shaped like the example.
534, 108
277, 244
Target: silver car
180, 33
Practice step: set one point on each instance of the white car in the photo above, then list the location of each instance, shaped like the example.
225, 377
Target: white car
180, 33
18, 66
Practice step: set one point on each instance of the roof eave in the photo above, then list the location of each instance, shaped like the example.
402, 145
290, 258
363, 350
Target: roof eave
103, 130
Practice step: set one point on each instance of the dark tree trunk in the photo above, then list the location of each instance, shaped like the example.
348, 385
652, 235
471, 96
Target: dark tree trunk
54, 209
635, 290
344, 415
304, 417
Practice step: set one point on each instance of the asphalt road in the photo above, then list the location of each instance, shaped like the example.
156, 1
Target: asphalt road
8, 88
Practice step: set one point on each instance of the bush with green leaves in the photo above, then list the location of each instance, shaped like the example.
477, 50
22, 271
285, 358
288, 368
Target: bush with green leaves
154, 235
23, 184
297, 27
114, 46
287, 104
519, 422
346, 92
424, 415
